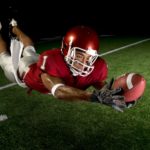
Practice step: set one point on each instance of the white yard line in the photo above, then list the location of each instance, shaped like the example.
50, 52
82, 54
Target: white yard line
103, 54
7, 86
123, 47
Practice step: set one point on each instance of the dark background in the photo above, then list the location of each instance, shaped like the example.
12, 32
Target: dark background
43, 18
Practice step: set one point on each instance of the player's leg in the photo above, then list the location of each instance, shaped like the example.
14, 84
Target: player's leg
3, 46
5, 59
29, 54
29, 49
25, 39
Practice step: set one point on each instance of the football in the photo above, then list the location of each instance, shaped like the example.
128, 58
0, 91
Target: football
132, 84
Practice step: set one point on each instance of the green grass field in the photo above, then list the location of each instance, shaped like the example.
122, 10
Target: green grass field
41, 122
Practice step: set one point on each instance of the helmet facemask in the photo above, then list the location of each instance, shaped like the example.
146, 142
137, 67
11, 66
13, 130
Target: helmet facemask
78, 67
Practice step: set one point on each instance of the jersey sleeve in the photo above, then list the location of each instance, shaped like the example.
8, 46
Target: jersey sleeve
47, 64
52, 62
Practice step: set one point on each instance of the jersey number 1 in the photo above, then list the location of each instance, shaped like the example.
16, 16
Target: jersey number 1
44, 61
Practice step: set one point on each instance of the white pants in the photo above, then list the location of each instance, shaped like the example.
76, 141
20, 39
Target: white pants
29, 57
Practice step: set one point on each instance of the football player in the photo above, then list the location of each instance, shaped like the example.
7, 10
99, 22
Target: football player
64, 72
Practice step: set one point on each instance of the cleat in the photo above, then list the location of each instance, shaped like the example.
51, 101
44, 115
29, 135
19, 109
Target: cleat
13, 23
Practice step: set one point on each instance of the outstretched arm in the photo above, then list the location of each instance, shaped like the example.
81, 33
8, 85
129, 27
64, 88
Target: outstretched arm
63, 91
105, 96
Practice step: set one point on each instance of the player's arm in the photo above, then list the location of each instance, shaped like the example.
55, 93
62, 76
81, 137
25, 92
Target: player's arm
62, 91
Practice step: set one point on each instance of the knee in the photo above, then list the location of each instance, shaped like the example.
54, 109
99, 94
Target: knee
29, 51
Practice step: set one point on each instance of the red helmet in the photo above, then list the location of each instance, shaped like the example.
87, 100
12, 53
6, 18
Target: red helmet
84, 39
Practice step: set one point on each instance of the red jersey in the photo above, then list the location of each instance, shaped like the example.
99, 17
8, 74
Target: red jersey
52, 62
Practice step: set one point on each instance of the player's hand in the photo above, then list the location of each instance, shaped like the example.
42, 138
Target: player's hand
109, 96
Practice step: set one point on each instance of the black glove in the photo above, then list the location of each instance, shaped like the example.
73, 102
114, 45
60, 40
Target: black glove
109, 96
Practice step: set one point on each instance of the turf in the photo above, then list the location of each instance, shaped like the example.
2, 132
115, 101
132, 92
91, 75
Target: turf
42, 122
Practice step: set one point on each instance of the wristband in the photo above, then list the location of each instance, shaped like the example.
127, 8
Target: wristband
54, 88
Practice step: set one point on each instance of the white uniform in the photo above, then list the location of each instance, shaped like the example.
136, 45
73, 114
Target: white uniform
29, 56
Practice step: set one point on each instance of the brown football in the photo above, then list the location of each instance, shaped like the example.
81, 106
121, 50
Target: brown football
133, 85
